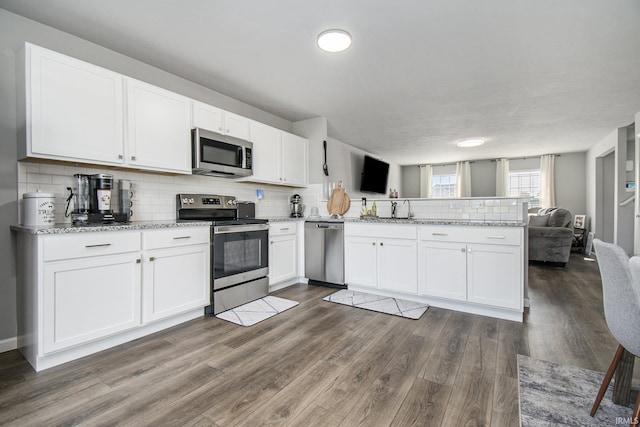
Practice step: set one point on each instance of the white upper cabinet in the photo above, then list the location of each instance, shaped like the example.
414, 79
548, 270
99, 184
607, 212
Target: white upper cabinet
294, 159
278, 157
266, 152
74, 110
159, 124
217, 120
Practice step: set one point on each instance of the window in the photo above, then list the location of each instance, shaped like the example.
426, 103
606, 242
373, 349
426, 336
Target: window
525, 183
443, 185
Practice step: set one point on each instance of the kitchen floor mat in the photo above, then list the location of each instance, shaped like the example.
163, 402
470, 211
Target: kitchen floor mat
381, 304
256, 311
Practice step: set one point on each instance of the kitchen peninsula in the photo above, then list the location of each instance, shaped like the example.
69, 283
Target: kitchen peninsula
464, 254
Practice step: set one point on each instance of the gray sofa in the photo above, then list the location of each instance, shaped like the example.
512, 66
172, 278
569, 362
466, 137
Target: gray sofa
551, 236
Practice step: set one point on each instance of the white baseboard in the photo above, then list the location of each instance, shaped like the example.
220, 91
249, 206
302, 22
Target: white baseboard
8, 344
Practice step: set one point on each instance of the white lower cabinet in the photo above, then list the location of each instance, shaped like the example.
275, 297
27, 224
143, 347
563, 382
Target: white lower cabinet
453, 266
443, 270
477, 269
176, 272
89, 298
79, 293
494, 275
381, 262
283, 252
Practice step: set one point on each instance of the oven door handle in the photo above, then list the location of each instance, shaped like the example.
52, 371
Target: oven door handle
225, 229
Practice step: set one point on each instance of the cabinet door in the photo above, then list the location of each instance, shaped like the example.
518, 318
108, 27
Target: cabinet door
360, 265
266, 153
159, 128
495, 275
282, 258
443, 270
76, 109
398, 266
294, 159
236, 126
208, 117
89, 298
176, 280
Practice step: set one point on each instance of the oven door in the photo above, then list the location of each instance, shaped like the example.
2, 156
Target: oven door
240, 254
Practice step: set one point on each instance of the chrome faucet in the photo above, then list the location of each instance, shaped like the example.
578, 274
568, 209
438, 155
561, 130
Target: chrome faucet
409, 213
394, 209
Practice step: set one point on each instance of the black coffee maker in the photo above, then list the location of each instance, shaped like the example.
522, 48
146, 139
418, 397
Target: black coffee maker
100, 195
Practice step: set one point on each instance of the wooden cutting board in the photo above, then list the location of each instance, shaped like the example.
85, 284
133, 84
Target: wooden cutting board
339, 201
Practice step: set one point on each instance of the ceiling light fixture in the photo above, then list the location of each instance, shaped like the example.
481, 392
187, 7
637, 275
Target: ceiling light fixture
471, 142
334, 40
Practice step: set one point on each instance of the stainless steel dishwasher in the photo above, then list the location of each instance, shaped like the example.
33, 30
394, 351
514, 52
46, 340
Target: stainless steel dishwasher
324, 253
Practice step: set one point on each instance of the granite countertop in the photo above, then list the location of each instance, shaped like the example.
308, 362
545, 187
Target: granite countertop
420, 221
143, 225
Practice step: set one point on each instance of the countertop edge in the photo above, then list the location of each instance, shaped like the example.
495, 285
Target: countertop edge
69, 229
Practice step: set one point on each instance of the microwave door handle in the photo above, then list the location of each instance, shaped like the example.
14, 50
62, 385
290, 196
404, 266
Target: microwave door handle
244, 157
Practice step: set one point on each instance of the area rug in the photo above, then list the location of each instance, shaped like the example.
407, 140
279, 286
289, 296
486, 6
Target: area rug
381, 304
256, 311
560, 395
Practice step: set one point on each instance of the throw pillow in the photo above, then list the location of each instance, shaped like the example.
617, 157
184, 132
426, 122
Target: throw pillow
538, 220
560, 218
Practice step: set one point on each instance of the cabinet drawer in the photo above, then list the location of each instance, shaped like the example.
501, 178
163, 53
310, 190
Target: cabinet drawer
173, 237
80, 245
495, 235
282, 228
382, 231
471, 234
444, 233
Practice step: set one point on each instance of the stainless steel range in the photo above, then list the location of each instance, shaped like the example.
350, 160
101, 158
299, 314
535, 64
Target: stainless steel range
239, 252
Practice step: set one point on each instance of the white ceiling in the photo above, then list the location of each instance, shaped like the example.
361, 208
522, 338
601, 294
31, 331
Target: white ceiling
531, 76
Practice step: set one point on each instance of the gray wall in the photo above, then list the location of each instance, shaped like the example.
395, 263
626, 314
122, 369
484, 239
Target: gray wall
570, 179
15, 31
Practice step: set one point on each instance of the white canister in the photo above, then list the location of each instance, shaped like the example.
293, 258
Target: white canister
38, 209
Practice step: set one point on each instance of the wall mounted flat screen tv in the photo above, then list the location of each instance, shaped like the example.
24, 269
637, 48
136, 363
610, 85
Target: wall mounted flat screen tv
374, 176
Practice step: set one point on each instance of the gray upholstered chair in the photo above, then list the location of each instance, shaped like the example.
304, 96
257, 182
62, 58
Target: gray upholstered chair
551, 236
621, 300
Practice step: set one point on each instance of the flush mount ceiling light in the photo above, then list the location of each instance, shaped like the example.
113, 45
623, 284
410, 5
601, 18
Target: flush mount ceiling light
471, 142
334, 40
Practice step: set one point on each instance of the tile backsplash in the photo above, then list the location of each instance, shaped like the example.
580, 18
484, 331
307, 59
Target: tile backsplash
154, 197
473, 209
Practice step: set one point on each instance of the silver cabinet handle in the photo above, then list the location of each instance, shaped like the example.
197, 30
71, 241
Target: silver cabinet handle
374, 243
151, 258
469, 250
138, 261
439, 234
120, 156
284, 229
272, 242
101, 245
133, 157
464, 249
495, 237
381, 244
181, 237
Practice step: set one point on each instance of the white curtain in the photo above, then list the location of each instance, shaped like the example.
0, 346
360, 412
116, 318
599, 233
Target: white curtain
547, 184
463, 179
502, 178
426, 172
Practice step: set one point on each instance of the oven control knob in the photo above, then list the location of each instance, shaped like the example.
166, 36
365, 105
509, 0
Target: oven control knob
231, 202
191, 200
185, 200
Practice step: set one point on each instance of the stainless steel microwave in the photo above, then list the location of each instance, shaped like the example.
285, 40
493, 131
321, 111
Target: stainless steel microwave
220, 155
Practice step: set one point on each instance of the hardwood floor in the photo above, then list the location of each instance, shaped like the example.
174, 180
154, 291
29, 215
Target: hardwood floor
322, 364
